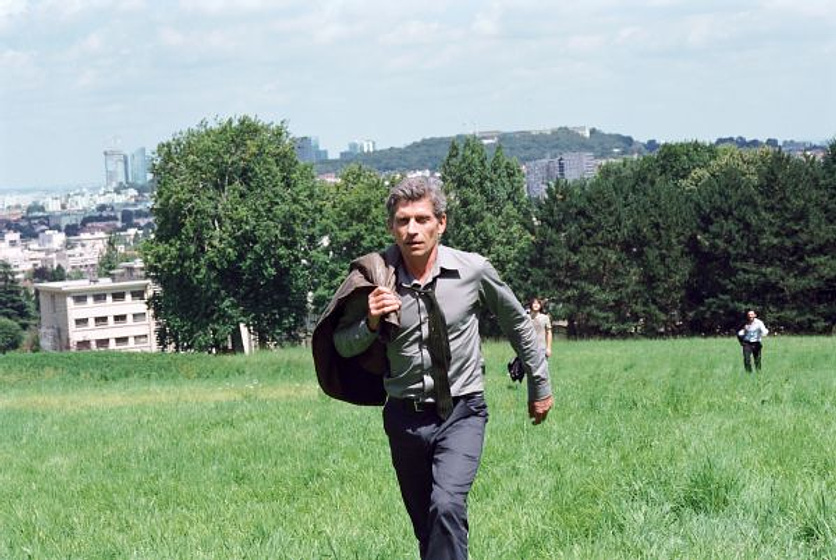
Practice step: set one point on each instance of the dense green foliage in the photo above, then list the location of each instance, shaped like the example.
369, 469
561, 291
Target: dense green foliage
11, 335
678, 242
686, 240
488, 211
655, 449
15, 303
110, 259
430, 153
352, 223
235, 216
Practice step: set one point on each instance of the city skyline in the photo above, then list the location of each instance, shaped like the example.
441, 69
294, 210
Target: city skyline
76, 75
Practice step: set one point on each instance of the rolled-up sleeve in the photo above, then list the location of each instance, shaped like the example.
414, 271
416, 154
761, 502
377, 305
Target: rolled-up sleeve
517, 326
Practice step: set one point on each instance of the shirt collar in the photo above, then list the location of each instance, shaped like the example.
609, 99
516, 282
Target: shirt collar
444, 262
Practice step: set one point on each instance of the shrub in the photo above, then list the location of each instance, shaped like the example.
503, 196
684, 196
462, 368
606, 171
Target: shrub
11, 335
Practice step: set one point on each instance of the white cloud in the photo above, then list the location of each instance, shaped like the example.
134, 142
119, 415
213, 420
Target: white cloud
89, 46
414, 33
201, 41
231, 7
10, 8
19, 71
817, 9
88, 78
579, 44
488, 23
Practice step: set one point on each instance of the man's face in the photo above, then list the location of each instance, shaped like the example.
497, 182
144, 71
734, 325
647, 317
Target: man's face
750, 316
416, 229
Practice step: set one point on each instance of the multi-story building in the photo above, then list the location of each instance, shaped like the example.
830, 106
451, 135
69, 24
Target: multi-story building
570, 166
116, 168
307, 149
139, 167
96, 315
12, 250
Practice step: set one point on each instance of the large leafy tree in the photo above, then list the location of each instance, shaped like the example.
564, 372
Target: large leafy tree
352, 223
488, 210
235, 221
489, 213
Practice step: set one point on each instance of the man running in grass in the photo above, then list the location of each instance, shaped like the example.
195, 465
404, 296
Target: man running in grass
424, 312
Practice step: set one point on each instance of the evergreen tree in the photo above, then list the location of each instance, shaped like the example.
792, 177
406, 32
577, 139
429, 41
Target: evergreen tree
15, 304
109, 260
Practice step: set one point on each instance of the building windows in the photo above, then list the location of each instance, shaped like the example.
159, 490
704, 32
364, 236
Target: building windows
103, 315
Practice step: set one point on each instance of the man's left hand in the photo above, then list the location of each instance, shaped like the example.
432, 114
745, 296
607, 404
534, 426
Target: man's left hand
538, 410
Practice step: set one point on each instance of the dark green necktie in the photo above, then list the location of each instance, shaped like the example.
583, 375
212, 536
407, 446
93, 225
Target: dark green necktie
439, 347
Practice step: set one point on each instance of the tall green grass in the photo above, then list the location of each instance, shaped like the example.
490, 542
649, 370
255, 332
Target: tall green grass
655, 449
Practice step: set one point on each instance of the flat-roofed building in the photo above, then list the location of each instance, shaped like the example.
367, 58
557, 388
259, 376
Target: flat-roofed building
96, 315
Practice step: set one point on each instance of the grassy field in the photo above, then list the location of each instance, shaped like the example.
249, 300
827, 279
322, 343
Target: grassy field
656, 449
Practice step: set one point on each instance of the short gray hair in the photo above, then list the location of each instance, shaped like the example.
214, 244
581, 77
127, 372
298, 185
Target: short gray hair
412, 189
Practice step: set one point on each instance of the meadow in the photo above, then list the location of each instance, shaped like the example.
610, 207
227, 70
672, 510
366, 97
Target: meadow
655, 449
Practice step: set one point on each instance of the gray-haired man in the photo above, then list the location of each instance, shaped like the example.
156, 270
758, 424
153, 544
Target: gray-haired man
435, 411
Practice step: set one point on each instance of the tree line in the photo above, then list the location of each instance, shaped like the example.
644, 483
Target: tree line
680, 242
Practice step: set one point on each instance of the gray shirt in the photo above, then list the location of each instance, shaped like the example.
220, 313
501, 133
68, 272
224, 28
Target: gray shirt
464, 283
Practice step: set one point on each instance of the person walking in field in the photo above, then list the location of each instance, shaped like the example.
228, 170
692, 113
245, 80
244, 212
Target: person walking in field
750, 339
542, 325
410, 314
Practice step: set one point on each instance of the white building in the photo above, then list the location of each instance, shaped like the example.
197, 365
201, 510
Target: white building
96, 315
51, 239
13, 252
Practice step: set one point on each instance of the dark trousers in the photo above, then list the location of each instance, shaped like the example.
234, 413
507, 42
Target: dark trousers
436, 462
750, 350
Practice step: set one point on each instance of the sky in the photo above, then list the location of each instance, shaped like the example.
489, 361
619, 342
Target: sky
80, 76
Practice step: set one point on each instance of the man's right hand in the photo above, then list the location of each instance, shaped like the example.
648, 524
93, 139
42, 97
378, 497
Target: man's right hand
382, 301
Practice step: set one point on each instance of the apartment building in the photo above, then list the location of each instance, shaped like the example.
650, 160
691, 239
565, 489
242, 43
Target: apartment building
96, 315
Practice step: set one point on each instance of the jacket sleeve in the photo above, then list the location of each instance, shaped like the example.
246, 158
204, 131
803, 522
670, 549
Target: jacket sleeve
352, 335
517, 326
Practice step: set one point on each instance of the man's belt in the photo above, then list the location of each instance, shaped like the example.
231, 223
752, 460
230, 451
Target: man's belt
418, 405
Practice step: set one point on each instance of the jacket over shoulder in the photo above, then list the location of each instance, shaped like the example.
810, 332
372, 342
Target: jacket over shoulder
359, 379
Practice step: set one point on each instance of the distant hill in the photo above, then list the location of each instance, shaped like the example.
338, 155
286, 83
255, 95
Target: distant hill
429, 153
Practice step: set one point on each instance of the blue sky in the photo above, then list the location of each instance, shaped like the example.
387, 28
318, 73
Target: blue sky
78, 76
